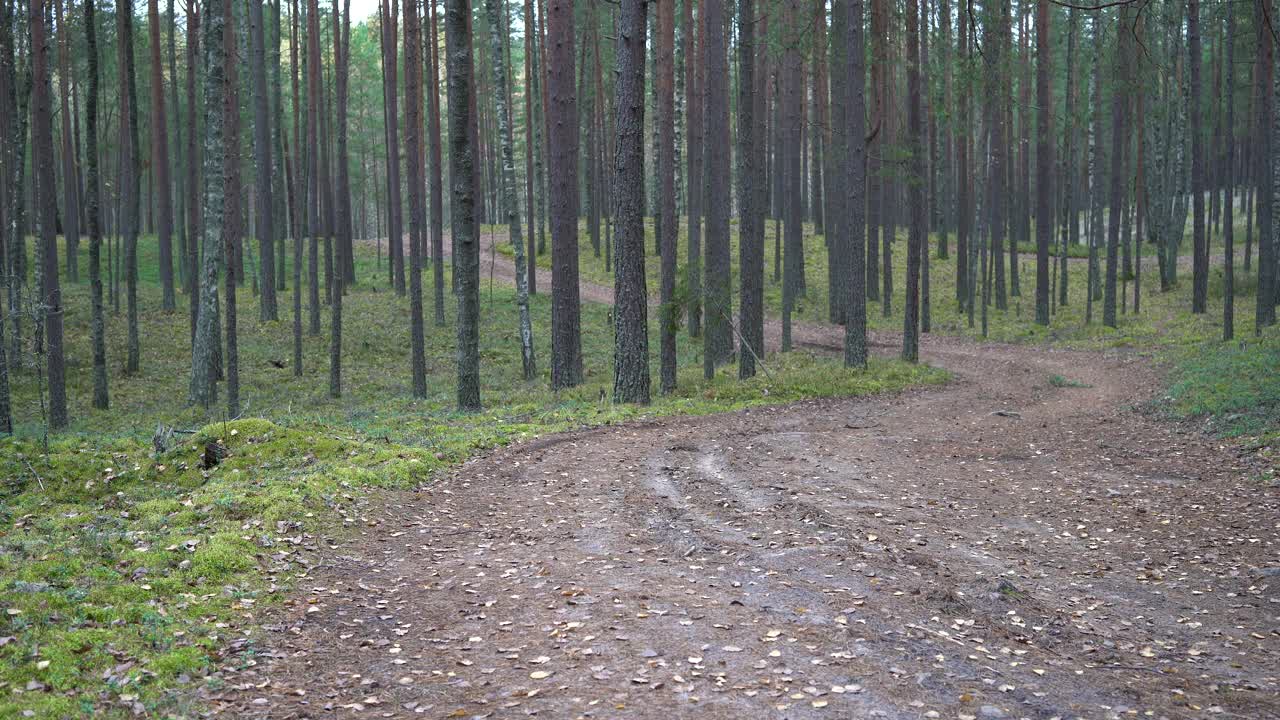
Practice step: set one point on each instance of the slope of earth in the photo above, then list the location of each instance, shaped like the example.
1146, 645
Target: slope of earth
1010, 545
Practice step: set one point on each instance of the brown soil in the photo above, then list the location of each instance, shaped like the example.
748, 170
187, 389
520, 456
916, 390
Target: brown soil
995, 548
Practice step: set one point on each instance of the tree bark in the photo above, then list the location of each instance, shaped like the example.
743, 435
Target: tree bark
666, 228
417, 216
917, 232
462, 136
855, 173
1118, 100
131, 174
1199, 261
630, 326
203, 388
562, 140
46, 210
70, 186
510, 196
693, 100
1044, 161
751, 223
1228, 183
98, 343
264, 203
717, 337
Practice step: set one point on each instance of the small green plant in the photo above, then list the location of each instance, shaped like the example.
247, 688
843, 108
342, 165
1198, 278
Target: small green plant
1059, 381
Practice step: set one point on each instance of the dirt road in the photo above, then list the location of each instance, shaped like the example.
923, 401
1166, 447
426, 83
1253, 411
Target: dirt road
1001, 547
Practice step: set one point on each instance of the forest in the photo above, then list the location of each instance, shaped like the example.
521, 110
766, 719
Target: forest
630, 358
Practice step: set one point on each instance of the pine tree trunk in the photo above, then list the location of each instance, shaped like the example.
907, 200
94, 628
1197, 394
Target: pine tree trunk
1044, 161
1200, 268
530, 147
264, 203
436, 181
1268, 171
340, 206
462, 147
630, 294
855, 175
232, 231
717, 301
46, 210
916, 234
693, 100
1228, 183
792, 82
70, 186
751, 223
391, 115
834, 160
665, 228
93, 209
191, 187
562, 142
130, 178
1118, 101
417, 216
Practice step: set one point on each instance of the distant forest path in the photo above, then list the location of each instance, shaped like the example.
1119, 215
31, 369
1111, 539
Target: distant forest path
1022, 542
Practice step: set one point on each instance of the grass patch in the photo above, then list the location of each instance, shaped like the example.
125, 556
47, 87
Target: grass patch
1059, 381
1234, 389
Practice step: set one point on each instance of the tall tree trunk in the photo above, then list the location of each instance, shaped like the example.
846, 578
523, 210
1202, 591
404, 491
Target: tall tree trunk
436, 181
792, 90
264, 203
717, 336
666, 228
855, 174
15, 96
178, 151
70, 186
1044, 161
214, 204
1118, 136
417, 216
510, 196
562, 140
1228, 181
1071, 217
917, 232
962, 178
693, 100
630, 292
391, 114
130, 176
834, 213
281, 187
160, 161
315, 101
1095, 172
340, 206
751, 224
232, 231
876, 172
1199, 261
195, 239
530, 146
46, 211
1268, 171
820, 134
462, 136
101, 398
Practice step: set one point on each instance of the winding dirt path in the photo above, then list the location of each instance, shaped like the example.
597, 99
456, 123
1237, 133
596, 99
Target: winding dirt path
997, 548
